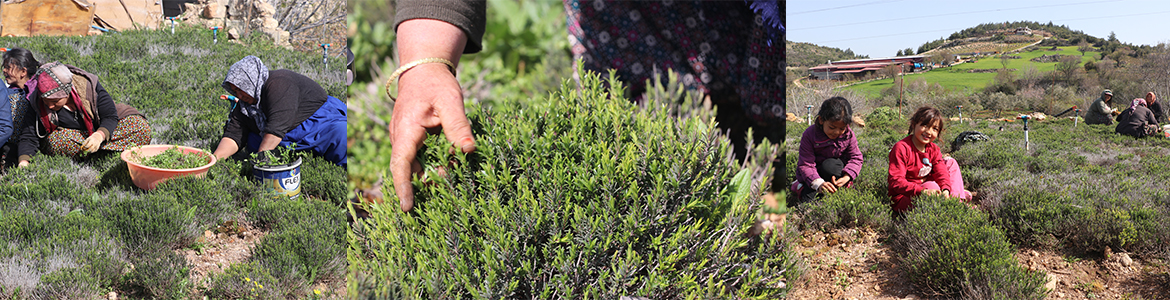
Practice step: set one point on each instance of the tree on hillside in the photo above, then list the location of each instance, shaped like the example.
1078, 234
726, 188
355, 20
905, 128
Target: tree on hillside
908, 51
1112, 37
899, 53
1004, 59
1068, 66
1084, 47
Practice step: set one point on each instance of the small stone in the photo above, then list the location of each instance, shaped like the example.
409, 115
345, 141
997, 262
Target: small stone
1051, 282
212, 11
1125, 260
1059, 295
877, 288
113, 296
1034, 253
208, 234
911, 297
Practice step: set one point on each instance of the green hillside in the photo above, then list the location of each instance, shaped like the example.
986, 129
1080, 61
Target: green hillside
809, 55
960, 78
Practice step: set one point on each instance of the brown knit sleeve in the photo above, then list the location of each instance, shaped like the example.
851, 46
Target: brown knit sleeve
468, 15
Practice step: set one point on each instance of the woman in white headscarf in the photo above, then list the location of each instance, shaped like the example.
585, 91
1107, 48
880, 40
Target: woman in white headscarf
280, 108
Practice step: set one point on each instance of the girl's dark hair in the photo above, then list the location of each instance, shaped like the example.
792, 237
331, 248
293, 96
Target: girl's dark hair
926, 116
836, 109
23, 58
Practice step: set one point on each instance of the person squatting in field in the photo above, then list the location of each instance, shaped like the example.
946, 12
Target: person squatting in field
1137, 120
1100, 112
917, 166
829, 158
72, 114
281, 108
729, 50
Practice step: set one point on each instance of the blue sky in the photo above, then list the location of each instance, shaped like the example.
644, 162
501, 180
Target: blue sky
879, 28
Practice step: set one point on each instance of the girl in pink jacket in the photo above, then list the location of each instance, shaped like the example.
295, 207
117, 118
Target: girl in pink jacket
917, 166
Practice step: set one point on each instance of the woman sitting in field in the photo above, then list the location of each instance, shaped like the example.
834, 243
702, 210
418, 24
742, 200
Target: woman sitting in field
828, 157
1137, 120
19, 68
75, 115
280, 108
917, 167
1100, 112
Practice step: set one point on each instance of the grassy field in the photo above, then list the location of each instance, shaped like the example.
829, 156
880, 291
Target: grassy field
79, 229
958, 78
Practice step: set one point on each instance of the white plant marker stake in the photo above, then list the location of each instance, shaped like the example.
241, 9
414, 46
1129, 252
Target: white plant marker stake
1025, 117
809, 107
325, 53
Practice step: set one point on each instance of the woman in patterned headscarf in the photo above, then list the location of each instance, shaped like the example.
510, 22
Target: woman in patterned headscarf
75, 115
1137, 120
279, 108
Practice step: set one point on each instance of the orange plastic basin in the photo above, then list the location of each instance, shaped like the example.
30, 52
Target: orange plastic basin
148, 177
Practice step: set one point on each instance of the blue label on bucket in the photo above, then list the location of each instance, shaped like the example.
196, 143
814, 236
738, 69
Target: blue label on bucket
287, 183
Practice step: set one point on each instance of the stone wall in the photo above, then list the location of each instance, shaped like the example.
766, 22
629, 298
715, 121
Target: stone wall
237, 17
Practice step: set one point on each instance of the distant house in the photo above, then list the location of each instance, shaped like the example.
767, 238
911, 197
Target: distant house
834, 70
1023, 30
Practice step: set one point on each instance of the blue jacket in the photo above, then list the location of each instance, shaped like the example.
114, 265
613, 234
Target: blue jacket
15, 102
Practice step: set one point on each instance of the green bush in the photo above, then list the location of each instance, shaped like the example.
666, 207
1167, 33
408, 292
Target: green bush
954, 250
67, 283
1029, 216
243, 281
578, 196
310, 249
158, 275
849, 207
306, 242
153, 223
319, 180
886, 120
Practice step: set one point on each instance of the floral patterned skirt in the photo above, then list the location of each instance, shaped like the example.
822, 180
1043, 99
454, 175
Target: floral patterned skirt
721, 48
131, 131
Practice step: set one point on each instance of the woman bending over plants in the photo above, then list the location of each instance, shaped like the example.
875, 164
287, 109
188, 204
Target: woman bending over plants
917, 166
828, 157
1137, 120
281, 108
75, 115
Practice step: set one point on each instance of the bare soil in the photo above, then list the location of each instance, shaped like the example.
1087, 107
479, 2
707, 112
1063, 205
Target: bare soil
860, 264
226, 245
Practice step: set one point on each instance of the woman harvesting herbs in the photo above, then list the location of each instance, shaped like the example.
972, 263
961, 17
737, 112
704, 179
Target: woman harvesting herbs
75, 115
281, 108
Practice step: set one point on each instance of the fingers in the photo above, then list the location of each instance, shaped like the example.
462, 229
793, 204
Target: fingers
829, 187
405, 143
457, 127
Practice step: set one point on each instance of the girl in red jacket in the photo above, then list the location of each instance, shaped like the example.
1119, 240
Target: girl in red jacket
917, 166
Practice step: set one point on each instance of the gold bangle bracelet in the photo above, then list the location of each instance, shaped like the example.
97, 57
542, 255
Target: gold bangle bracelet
394, 76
